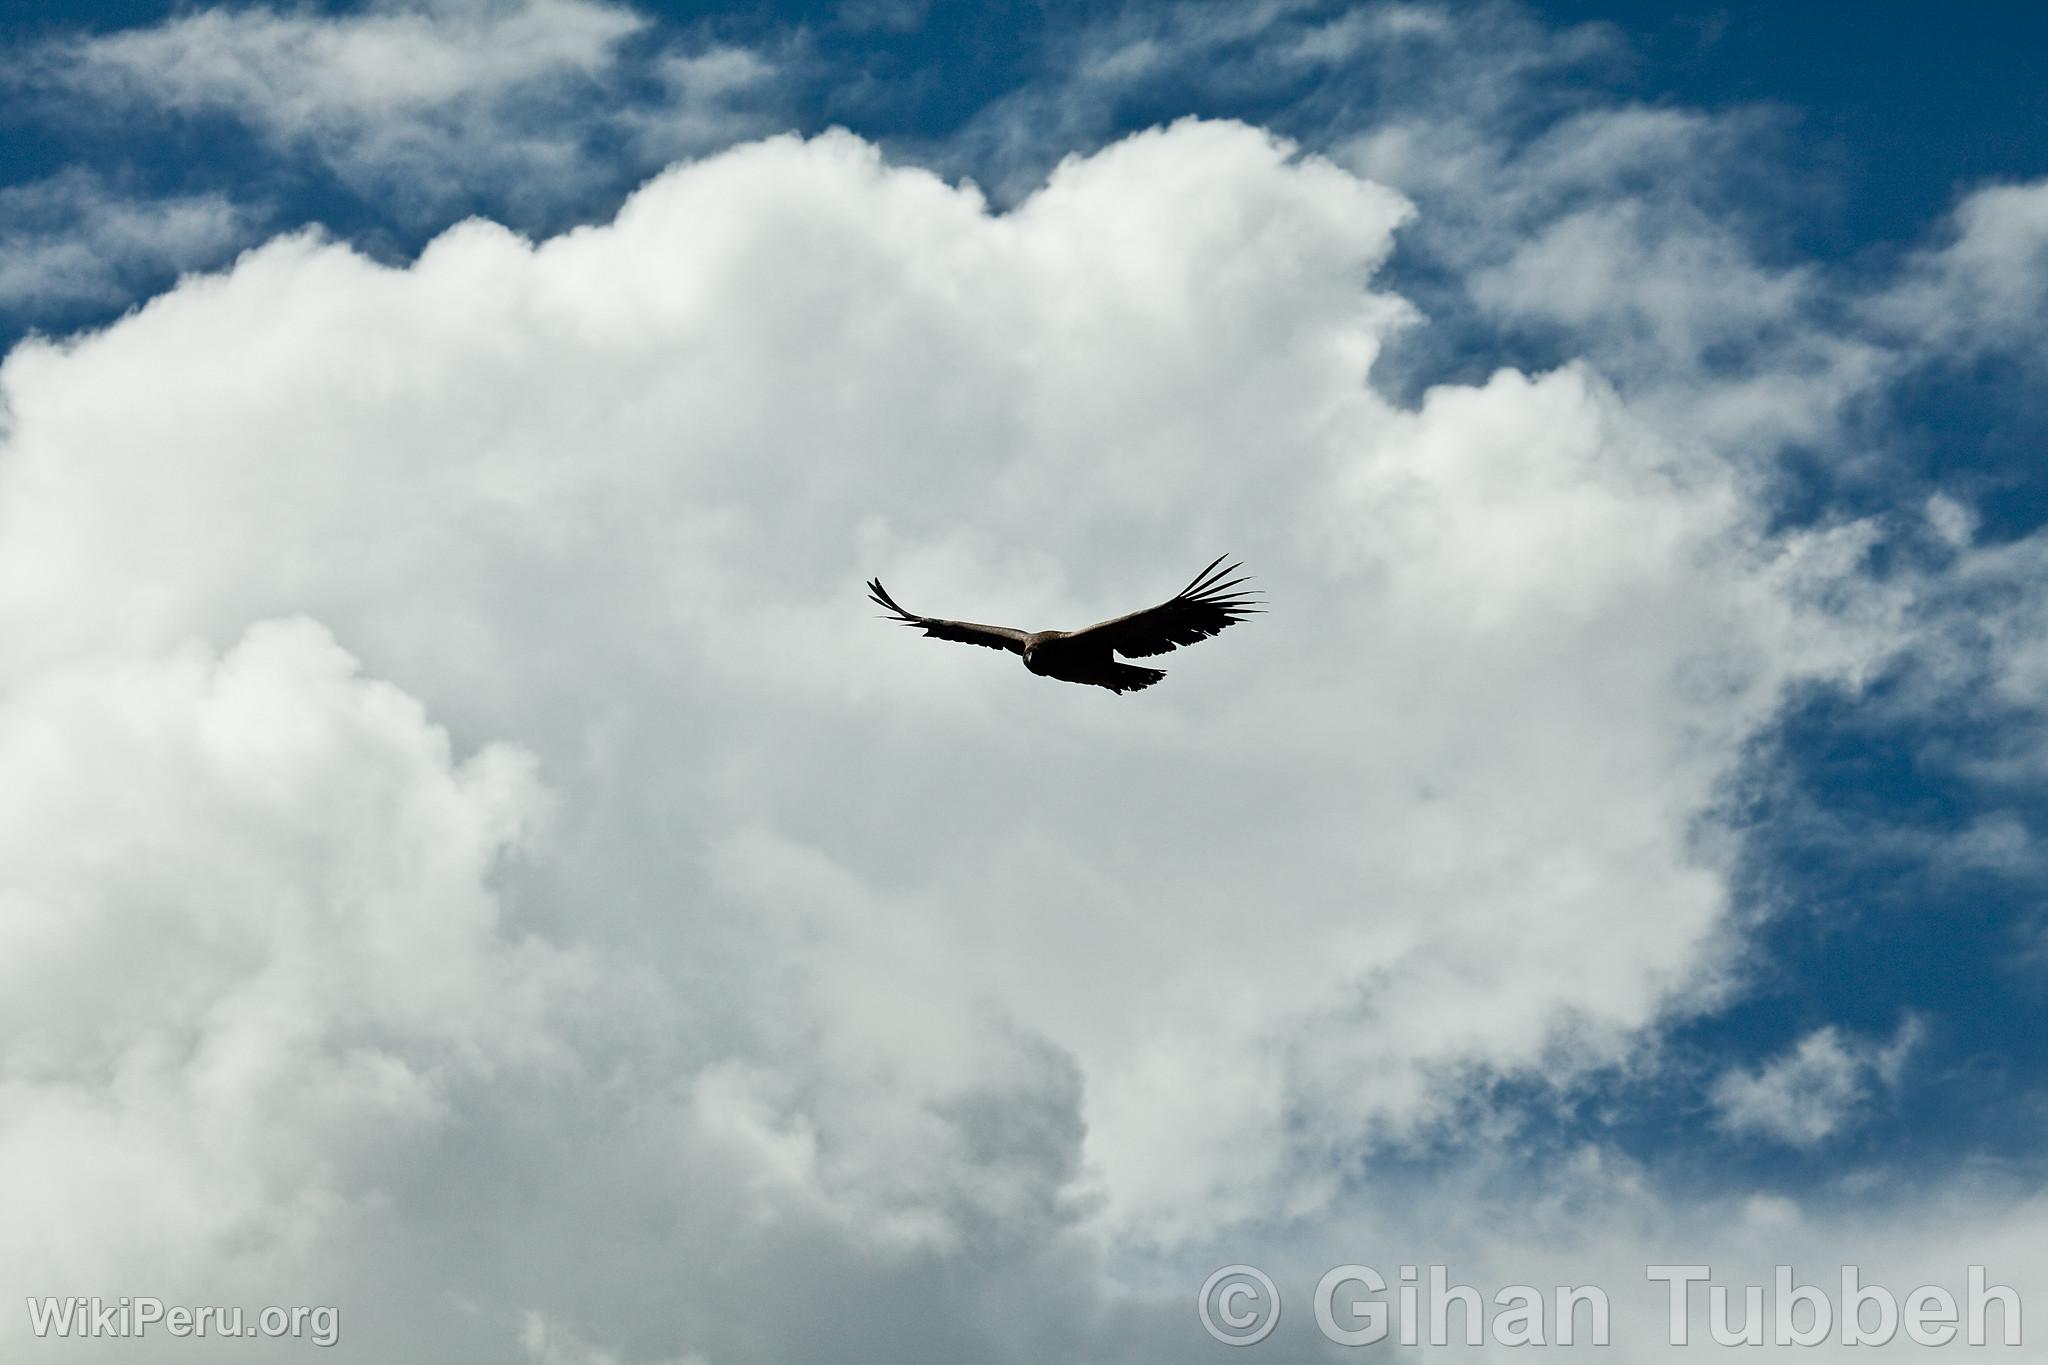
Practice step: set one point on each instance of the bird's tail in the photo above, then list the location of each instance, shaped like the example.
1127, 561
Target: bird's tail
1122, 677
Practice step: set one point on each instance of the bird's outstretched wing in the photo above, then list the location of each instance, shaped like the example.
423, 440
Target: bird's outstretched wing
1201, 609
966, 632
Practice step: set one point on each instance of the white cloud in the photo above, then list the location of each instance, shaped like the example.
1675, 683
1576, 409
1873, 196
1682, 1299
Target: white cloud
1981, 656
1620, 234
1815, 1091
305, 74
1471, 65
1591, 1216
250, 952
860, 986
419, 103
550, 1343
72, 239
1986, 287
711, 98
860, 980
904, 954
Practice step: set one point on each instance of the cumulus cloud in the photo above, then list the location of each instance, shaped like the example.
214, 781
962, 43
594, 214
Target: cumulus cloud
1812, 1092
1558, 221
845, 954
1591, 1216
547, 1343
252, 947
547, 914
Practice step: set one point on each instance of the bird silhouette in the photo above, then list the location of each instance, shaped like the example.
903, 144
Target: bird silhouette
1206, 606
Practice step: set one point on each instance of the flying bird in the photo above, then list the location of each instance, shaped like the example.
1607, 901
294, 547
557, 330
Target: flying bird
1204, 607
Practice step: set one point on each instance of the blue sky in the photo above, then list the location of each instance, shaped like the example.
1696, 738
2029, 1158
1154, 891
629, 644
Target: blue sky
1799, 252
1887, 115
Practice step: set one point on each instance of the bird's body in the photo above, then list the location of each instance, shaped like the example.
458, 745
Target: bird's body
1057, 654
1203, 608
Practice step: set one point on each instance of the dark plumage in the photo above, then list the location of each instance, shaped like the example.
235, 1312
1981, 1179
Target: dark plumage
1204, 607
